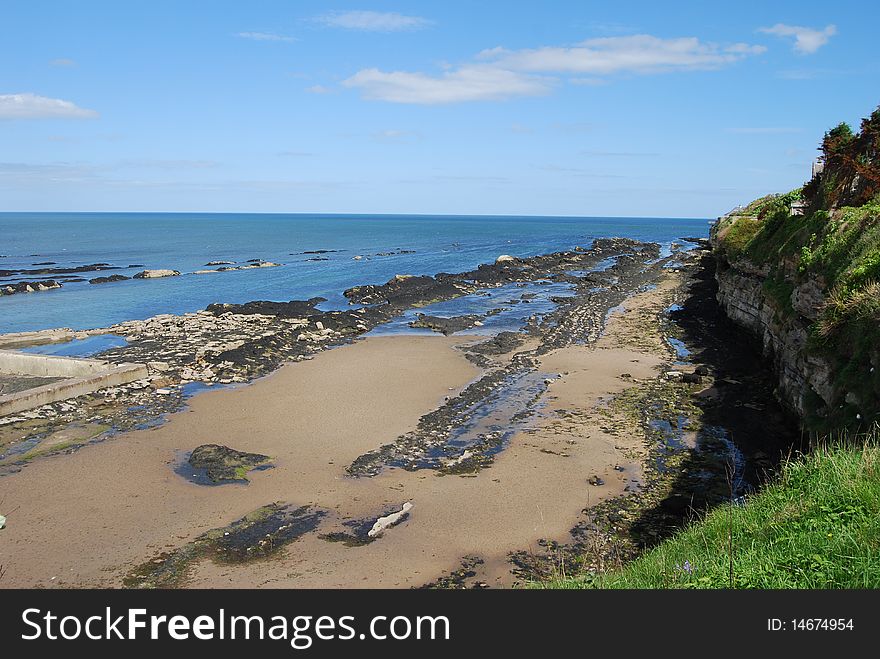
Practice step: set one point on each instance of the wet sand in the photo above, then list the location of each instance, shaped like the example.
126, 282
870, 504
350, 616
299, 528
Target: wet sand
88, 518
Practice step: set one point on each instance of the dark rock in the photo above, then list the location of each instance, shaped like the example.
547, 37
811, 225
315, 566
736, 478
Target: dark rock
59, 271
446, 326
701, 370
500, 344
45, 263
29, 287
210, 263
404, 290
222, 463
292, 309
692, 378
108, 280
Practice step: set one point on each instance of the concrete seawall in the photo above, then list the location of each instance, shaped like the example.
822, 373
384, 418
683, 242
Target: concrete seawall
82, 376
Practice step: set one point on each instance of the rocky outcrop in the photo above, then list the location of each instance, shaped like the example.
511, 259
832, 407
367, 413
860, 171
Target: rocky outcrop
222, 463
29, 287
108, 280
805, 380
156, 274
250, 266
446, 326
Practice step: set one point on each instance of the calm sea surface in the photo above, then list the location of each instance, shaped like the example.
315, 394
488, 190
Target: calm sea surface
186, 242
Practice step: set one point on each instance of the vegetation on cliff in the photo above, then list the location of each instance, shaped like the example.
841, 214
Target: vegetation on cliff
816, 526
831, 250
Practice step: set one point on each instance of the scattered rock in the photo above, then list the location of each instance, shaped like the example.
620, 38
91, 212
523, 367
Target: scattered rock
155, 274
29, 287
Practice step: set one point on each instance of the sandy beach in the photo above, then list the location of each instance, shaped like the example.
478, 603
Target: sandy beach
87, 518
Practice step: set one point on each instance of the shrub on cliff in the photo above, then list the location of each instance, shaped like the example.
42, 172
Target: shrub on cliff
851, 175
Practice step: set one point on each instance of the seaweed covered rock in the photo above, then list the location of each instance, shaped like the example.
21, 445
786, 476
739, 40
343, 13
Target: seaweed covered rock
222, 463
446, 326
108, 280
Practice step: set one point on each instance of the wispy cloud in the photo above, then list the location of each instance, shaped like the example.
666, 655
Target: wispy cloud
469, 83
764, 130
167, 164
63, 62
319, 89
265, 36
395, 136
499, 73
619, 154
56, 172
32, 106
372, 21
640, 53
807, 40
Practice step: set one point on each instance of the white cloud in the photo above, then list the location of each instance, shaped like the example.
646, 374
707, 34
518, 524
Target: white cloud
265, 36
63, 61
372, 21
469, 83
500, 73
640, 53
32, 106
319, 89
806, 39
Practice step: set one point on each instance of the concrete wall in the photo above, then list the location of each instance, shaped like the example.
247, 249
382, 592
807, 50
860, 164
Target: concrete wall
23, 363
84, 377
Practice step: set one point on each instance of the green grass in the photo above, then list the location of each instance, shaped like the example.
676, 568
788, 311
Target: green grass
816, 526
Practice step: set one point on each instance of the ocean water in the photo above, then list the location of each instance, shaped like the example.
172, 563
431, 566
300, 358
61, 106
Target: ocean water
186, 242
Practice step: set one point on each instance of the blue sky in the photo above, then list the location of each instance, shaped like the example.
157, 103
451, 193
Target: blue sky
550, 108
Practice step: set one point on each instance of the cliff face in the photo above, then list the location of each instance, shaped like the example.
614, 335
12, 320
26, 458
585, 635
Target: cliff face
805, 379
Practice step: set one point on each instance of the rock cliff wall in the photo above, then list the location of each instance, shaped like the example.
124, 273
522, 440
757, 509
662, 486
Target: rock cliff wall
805, 382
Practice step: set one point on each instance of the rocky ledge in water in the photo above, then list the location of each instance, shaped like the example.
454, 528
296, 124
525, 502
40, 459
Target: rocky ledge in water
222, 464
108, 280
446, 326
156, 274
29, 286
93, 267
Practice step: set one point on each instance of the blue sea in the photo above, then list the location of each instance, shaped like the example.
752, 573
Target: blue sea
187, 242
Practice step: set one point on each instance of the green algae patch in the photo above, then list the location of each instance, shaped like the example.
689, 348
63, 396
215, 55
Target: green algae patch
218, 464
258, 535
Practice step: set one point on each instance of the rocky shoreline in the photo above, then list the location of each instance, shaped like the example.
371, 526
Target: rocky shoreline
235, 343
